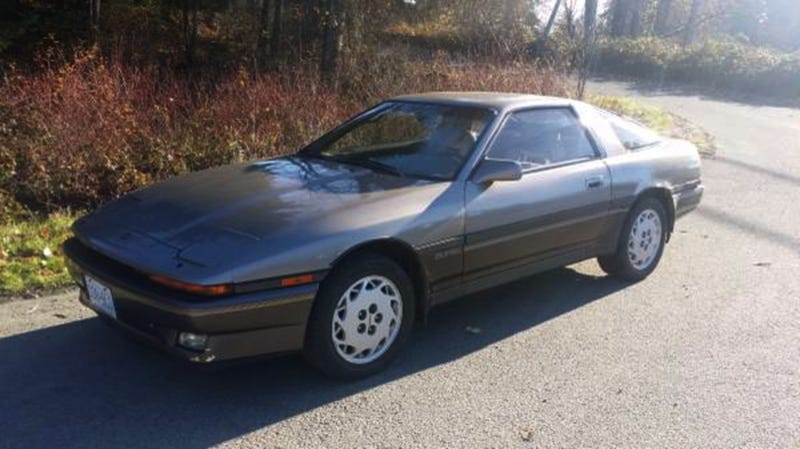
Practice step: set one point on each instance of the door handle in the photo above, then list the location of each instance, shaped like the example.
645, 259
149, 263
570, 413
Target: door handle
593, 182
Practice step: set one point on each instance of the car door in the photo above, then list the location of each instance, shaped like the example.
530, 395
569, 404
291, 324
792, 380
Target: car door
558, 207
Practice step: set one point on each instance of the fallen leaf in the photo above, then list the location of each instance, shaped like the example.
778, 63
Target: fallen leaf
47, 252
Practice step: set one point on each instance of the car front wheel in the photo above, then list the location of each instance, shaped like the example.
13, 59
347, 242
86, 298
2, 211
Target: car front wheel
361, 317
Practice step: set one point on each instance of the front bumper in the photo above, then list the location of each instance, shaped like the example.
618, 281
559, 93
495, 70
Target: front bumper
237, 326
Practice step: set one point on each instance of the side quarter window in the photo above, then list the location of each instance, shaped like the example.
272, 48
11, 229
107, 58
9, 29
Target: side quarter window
540, 137
632, 135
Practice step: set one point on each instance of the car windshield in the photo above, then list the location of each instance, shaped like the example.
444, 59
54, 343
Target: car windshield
430, 141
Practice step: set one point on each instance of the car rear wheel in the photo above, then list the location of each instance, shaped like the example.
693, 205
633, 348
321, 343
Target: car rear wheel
361, 317
641, 242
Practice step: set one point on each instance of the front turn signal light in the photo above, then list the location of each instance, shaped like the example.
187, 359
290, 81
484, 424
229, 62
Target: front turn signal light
208, 290
297, 280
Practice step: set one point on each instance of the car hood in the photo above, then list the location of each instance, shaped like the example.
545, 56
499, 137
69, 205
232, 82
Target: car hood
209, 216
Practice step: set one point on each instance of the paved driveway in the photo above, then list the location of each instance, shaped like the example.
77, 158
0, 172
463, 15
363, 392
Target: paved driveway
704, 353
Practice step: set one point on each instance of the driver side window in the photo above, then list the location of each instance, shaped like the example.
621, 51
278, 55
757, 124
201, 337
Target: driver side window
541, 137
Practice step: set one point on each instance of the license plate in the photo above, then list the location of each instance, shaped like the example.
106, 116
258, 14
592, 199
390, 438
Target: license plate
100, 297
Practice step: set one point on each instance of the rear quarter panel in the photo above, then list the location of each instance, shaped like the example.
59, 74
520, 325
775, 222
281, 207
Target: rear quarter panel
669, 165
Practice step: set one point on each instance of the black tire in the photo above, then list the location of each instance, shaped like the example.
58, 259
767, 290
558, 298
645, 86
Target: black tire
320, 349
619, 264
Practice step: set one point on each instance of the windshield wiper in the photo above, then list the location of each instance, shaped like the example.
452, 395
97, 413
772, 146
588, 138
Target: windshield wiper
375, 165
379, 166
364, 162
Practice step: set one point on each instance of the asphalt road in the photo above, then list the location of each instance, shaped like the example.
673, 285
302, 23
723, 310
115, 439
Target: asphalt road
704, 353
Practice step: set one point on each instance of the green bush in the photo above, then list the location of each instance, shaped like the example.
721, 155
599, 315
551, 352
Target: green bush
718, 64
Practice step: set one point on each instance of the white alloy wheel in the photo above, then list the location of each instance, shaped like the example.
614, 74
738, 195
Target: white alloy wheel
645, 239
367, 319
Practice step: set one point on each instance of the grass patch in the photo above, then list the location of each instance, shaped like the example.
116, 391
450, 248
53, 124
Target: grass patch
656, 118
664, 122
30, 254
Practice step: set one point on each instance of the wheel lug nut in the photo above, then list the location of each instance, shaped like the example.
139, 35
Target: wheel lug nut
373, 308
361, 328
371, 330
362, 314
378, 318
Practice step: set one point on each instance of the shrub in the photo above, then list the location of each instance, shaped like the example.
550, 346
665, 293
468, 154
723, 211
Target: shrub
719, 64
89, 130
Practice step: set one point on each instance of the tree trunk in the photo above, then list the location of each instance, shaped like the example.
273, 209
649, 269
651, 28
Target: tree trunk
589, 28
662, 17
331, 39
694, 19
277, 28
620, 10
570, 21
309, 25
509, 16
590, 18
269, 30
189, 30
262, 41
635, 18
94, 20
549, 27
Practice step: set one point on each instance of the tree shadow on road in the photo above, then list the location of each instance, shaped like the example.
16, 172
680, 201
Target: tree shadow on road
759, 170
731, 219
83, 384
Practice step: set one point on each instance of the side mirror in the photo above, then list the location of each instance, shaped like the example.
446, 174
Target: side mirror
491, 170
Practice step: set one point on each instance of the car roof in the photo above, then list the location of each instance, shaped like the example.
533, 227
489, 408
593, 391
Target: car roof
495, 100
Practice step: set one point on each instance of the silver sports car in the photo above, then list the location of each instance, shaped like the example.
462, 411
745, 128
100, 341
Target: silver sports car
337, 250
